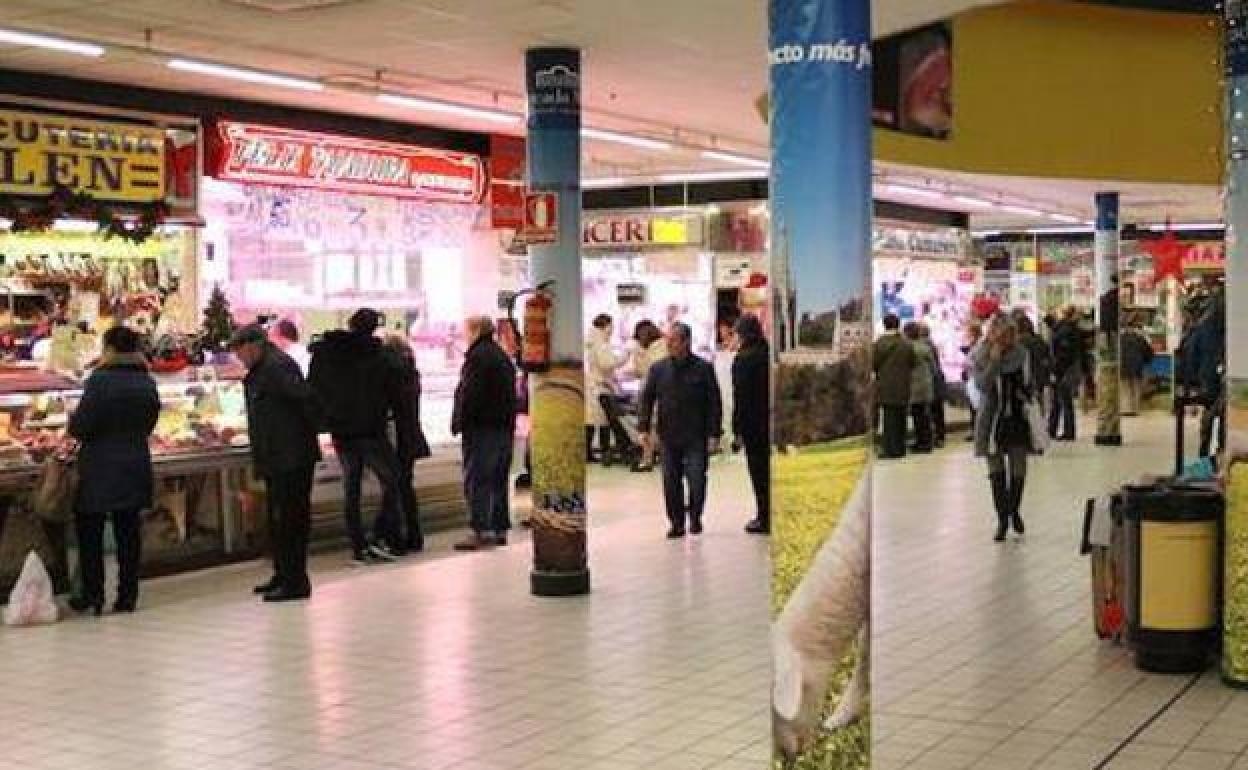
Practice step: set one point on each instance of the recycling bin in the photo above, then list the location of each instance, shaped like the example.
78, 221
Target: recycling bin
1173, 574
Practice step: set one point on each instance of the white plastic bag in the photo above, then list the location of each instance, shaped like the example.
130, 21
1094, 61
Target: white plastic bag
32, 601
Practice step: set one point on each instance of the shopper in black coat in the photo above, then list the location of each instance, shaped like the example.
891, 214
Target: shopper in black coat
282, 419
751, 415
684, 390
358, 385
409, 436
114, 421
485, 418
1070, 354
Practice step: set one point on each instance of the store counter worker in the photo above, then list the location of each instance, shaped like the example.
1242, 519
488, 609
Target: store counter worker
685, 392
281, 420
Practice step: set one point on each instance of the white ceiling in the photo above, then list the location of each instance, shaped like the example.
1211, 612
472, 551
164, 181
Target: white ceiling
690, 70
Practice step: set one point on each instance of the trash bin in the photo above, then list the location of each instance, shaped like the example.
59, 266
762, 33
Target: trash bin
1172, 574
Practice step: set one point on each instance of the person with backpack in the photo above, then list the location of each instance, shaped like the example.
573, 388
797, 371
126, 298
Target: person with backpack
1004, 375
1070, 355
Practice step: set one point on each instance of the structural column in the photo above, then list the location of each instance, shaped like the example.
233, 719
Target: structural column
1108, 380
557, 411
820, 67
1235, 539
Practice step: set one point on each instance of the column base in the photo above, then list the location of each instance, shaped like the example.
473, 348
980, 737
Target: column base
1234, 684
1109, 440
555, 584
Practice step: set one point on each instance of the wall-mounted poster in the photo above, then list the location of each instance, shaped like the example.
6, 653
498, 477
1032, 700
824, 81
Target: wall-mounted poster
913, 83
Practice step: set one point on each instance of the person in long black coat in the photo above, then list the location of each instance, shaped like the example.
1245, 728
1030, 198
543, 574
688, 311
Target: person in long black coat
410, 442
751, 415
282, 419
114, 421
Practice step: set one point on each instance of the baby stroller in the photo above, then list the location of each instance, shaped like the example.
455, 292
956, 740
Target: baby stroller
626, 442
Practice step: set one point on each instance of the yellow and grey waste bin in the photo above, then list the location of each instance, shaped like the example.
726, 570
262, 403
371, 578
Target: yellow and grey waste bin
1173, 569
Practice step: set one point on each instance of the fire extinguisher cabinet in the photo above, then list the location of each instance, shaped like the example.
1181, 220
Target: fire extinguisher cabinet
1172, 574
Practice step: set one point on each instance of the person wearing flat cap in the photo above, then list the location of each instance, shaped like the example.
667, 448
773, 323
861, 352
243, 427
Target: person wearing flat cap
282, 420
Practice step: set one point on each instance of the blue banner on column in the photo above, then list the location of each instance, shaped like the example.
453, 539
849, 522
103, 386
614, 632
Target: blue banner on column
820, 60
553, 81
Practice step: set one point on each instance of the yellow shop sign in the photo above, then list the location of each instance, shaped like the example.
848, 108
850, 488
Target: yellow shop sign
110, 161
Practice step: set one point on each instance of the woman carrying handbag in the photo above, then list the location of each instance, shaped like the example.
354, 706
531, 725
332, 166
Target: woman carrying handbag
113, 422
1004, 434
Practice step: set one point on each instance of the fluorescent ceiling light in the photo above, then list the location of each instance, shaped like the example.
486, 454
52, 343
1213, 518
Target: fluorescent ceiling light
1058, 230
985, 233
714, 176
1188, 227
604, 181
1024, 210
917, 192
1065, 218
967, 200
634, 141
52, 43
430, 105
251, 76
740, 160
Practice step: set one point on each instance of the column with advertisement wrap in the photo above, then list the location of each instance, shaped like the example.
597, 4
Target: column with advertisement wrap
557, 410
1235, 539
1108, 246
820, 65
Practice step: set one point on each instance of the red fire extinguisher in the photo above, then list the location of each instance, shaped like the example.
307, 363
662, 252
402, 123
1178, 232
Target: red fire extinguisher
535, 340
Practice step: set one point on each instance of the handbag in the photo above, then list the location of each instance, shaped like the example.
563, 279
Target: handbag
1034, 412
56, 489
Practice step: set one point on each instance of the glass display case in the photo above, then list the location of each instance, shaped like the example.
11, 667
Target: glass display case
201, 514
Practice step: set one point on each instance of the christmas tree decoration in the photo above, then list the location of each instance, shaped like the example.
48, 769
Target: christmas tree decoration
218, 322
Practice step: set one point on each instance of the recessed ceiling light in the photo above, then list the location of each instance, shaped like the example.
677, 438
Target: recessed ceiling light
714, 176
239, 73
431, 105
967, 200
597, 183
916, 192
1024, 210
16, 37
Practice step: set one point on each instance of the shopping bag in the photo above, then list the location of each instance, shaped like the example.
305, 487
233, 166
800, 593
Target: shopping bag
1038, 426
55, 490
32, 601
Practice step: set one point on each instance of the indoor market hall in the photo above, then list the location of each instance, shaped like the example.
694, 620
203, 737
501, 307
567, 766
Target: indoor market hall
646, 385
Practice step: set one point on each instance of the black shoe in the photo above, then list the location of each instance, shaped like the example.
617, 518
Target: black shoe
500, 538
757, 527
125, 605
675, 533
416, 544
524, 481
1000, 536
284, 594
363, 558
80, 605
695, 527
264, 588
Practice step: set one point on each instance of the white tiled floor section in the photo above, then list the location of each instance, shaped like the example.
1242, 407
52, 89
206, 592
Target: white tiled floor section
441, 662
984, 655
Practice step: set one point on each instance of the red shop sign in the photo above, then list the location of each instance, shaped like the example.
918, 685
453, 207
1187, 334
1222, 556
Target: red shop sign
244, 152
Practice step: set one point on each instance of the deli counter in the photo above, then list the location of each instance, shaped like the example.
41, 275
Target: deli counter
209, 507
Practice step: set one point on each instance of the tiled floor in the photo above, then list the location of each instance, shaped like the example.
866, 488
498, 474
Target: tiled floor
984, 655
441, 662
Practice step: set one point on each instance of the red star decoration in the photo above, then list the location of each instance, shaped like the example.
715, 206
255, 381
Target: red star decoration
1167, 254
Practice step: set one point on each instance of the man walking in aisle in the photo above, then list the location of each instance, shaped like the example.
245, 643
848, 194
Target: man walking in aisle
281, 417
485, 417
359, 386
684, 390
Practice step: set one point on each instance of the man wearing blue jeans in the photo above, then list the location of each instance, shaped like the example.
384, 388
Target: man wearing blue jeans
485, 417
685, 391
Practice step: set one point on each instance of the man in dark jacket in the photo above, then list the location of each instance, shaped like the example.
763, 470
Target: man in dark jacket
1137, 354
485, 418
282, 417
1070, 353
894, 360
751, 415
1203, 361
358, 386
410, 441
685, 391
